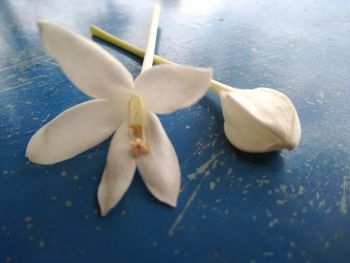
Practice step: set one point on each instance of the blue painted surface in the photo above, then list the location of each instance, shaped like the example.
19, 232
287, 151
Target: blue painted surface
234, 207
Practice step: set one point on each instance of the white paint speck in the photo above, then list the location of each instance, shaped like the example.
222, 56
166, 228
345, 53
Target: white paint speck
281, 202
322, 204
41, 243
273, 222
207, 173
212, 185
343, 206
317, 195
301, 190
268, 254
268, 213
68, 203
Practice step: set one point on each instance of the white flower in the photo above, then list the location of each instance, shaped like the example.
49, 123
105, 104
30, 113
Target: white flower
122, 105
259, 120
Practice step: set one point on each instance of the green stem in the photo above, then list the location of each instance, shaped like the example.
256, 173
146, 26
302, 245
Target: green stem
152, 39
215, 86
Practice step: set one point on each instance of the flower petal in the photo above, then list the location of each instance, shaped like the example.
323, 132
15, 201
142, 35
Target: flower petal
73, 131
166, 88
160, 168
119, 171
88, 66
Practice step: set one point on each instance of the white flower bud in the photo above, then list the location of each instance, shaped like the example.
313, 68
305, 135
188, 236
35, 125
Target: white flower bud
260, 120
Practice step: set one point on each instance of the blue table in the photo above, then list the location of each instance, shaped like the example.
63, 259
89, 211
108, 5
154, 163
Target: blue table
234, 207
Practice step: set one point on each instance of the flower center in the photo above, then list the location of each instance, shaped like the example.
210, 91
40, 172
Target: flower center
137, 123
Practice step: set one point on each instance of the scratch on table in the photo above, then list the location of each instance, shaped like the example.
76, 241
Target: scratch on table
343, 208
11, 88
200, 147
199, 170
44, 120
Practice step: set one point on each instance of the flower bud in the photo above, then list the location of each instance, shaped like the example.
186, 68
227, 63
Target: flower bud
260, 120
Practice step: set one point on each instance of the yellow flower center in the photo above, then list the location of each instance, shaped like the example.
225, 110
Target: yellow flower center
137, 123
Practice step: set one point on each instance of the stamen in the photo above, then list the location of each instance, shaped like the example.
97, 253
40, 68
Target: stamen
139, 147
137, 122
143, 145
136, 129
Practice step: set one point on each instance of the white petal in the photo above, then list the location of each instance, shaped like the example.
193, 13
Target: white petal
119, 171
166, 88
260, 120
160, 168
73, 131
87, 65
